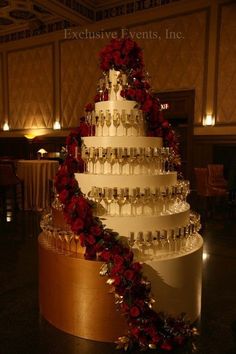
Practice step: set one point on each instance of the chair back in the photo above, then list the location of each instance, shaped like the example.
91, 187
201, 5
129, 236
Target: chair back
7, 175
216, 176
201, 174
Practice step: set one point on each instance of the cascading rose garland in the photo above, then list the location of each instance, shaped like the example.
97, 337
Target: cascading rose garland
146, 328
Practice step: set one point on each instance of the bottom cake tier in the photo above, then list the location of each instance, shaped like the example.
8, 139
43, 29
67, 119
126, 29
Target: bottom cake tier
76, 299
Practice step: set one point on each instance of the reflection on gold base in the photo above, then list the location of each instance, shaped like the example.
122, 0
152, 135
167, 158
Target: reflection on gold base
75, 298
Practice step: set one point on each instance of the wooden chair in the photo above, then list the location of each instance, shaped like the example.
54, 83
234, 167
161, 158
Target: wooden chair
210, 195
216, 176
9, 183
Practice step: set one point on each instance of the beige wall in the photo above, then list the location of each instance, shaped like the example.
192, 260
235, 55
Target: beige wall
1, 90
226, 88
31, 89
48, 78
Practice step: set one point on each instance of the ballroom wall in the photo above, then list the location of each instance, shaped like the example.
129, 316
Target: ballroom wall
49, 77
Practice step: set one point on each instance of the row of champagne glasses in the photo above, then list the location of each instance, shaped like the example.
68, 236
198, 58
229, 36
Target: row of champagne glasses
171, 240
116, 123
138, 161
64, 241
110, 86
134, 201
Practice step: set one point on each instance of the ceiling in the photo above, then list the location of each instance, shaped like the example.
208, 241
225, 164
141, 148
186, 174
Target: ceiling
26, 18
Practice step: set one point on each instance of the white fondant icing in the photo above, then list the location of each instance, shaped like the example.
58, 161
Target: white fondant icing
126, 224
117, 105
124, 141
87, 181
177, 281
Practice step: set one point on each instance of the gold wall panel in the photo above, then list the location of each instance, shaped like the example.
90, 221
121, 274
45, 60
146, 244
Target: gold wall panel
30, 82
226, 108
79, 74
1, 93
176, 64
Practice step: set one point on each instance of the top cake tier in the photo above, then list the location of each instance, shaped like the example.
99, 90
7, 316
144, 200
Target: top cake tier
117, 116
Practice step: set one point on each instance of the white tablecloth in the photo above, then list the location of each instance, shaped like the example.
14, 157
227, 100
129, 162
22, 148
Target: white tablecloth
36, 175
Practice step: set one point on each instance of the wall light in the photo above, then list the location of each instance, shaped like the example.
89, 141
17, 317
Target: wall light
208, 120
56, 125
6, 126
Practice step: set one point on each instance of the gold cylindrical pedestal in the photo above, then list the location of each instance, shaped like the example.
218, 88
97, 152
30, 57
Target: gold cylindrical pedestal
75, 298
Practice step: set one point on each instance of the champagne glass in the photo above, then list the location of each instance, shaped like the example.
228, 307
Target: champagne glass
116, 121
98, 123
107, 192
101, 160
121, 200
114, 204
108, 122
114, 160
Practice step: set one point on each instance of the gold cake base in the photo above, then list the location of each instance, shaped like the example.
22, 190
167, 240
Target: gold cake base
75, 298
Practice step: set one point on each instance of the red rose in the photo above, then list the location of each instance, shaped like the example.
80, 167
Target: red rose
129, 44
136, 266
89, 107
84, 129
118, 260
165, 124
77, 225
135, 331
134, 311
140, 95
105, 256
95, 230
117, 269
146, 107
166, 345
131, 93
179, 340
63, 196
90, 239
129, 274
117, 280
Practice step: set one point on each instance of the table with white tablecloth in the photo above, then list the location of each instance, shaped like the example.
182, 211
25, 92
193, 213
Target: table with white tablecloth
36, 175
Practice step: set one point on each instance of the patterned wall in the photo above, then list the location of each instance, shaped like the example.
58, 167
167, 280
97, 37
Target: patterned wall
177, 64
226, 108
30, 80
79, 74
1, 94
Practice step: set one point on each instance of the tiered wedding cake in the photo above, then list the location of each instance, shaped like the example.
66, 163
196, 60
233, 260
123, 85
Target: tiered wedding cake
130, 179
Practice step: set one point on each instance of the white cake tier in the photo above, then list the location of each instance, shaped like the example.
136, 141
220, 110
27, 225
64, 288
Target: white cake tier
124, 225
122, 141
120, 106
87, 181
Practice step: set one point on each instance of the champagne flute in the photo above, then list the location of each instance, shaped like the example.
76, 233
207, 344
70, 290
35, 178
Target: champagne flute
116, 121
108, 122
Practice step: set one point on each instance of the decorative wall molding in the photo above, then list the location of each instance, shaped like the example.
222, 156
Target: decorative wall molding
1, 92
62, 14
226, 68
31, 96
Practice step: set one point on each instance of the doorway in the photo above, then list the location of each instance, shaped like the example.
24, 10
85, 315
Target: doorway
178, 109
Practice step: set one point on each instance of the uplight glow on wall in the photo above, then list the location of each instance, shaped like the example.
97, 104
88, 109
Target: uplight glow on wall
6, 126
56, 125
208, 120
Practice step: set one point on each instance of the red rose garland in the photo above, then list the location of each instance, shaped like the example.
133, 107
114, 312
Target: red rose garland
147, 329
